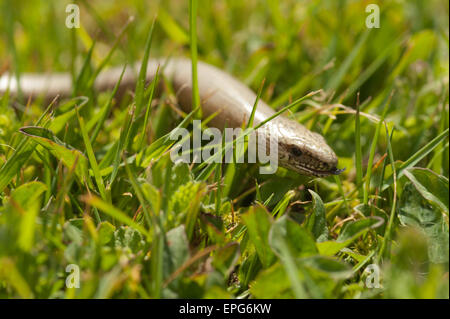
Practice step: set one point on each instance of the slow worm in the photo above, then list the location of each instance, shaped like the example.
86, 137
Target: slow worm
299, 149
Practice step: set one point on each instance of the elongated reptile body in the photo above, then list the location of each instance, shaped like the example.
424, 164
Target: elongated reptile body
298, 148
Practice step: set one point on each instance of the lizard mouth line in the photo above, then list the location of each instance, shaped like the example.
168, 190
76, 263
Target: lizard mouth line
322, 173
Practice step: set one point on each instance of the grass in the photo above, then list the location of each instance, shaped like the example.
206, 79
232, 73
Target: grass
89, 180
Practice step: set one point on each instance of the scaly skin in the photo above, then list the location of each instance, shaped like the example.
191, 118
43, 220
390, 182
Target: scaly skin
298, 148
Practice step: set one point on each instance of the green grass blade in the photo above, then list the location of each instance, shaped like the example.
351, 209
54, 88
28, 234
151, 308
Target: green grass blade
388, 232
91, 158
193, 45
78, 85
107, 108
149, 106
140, 84
115, 213
372, 150
418, 156
358, 152
335, 81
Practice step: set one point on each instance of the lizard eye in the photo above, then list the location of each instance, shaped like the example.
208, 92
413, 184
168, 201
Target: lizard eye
296, 152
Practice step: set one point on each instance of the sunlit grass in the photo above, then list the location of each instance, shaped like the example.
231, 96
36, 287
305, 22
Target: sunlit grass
89, 181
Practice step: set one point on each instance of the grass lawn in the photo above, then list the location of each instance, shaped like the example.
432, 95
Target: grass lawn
90, 186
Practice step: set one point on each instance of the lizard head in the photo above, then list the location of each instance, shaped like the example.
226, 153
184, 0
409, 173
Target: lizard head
304, 151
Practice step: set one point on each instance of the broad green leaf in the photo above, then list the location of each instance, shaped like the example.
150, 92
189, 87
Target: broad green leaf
414, 210
350, 232
317, 221
184, 205
225, 258
152, 195
352, 229
430, 185
73, 232
272, 283
176, 251
327, 266
297, 239
128, 238
214, 228
411, 274
27, 202
105, 233
249, 268
258, 222
179, 175
289, 240
316, 274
